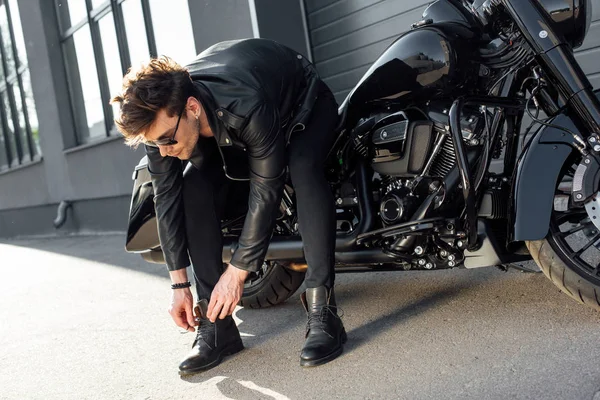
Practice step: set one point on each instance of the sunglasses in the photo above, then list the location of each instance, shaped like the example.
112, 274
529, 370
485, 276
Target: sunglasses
170, 141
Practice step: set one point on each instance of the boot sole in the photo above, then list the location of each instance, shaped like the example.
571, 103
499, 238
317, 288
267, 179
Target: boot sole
336, 353
227, 351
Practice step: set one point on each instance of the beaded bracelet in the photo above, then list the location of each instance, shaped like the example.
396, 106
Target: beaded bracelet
181, 285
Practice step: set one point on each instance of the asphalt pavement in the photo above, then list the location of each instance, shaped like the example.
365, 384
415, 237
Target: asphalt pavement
82, 319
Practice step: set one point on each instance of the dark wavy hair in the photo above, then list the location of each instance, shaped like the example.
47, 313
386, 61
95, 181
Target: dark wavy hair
159, 83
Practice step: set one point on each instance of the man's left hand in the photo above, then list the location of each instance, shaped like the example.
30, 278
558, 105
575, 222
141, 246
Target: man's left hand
226, 293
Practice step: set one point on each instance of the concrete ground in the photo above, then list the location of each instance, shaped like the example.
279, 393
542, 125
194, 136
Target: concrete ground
82, 319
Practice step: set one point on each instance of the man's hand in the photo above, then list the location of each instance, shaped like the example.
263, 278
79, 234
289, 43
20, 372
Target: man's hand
181, 309
226, 293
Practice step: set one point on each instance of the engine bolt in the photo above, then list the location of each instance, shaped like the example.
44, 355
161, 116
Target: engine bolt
474, 142
587, 161
422, 261
339, 201
443, 253
597, 148
451, 257
429, 266
460, 243
592, 139
418, 250
355, 200
579, 196
451, 263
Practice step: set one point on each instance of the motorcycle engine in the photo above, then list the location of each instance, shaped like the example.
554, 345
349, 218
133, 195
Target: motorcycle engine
410, 144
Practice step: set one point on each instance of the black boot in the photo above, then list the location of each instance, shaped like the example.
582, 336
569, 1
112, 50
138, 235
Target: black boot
213, 342
325, 332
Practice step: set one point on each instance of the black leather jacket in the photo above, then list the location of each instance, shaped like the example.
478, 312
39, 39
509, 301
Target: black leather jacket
256, 92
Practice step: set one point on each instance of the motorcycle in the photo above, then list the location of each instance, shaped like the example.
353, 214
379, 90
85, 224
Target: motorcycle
431, 168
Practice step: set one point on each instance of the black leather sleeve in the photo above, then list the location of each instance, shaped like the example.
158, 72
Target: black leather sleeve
167, 181
266, 154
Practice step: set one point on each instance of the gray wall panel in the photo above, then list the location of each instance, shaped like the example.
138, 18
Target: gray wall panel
338, 83
283, 21
387, 29
588, 55
593, 37
312, 5
339, 10
354, 59
589, 60
216, 21
102, 171
24, 187
368, 16
97, 215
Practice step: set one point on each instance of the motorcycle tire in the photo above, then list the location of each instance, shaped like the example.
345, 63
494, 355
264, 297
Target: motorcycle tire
273, 284
563, 275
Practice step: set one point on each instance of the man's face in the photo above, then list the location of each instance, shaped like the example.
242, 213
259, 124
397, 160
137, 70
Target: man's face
186, 134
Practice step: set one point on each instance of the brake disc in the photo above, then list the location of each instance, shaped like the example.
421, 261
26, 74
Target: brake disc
592, 208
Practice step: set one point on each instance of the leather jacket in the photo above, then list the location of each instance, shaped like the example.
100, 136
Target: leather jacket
255, 92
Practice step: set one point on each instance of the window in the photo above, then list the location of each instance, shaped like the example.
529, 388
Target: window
19, 138
101, 39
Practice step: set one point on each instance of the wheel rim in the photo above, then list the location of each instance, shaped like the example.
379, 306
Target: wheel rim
573, 235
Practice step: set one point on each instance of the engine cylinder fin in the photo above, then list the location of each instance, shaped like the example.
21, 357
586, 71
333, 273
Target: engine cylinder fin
444, 161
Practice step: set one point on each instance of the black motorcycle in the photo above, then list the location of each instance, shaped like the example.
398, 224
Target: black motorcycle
431, 168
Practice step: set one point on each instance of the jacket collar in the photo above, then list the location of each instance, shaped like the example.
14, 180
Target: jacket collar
211, 108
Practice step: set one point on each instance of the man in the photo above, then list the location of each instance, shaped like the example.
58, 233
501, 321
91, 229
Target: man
266, 99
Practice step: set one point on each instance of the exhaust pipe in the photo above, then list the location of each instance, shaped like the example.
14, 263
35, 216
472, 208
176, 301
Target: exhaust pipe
288, 249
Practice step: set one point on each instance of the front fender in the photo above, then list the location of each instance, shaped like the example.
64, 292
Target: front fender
535, 180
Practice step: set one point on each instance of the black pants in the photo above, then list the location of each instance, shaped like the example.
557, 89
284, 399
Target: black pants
209, 196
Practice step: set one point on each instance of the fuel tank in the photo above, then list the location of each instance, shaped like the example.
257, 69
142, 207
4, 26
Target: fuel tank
432, 60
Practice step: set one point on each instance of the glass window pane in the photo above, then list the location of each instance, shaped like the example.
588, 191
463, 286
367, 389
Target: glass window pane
97, 3
11, 129
31, 113
71, 12
3, 157
173, 29
77, 10
22, 129
136, 32
83, 77
18, 31
111, 56
6, 42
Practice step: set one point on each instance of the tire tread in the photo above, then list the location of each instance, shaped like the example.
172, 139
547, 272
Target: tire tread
277, 286
562, 275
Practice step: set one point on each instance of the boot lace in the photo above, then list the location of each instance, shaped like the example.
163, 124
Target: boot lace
204, 331
319, 319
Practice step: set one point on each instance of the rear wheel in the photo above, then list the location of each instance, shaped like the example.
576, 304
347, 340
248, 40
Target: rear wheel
570, 255
272, 284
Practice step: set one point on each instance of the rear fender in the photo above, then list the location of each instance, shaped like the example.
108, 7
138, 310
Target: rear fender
142, 229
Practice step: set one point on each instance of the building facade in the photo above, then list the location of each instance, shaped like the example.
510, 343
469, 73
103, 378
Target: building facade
62, 60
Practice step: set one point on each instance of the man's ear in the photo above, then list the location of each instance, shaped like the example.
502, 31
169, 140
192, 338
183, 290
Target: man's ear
194, 105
